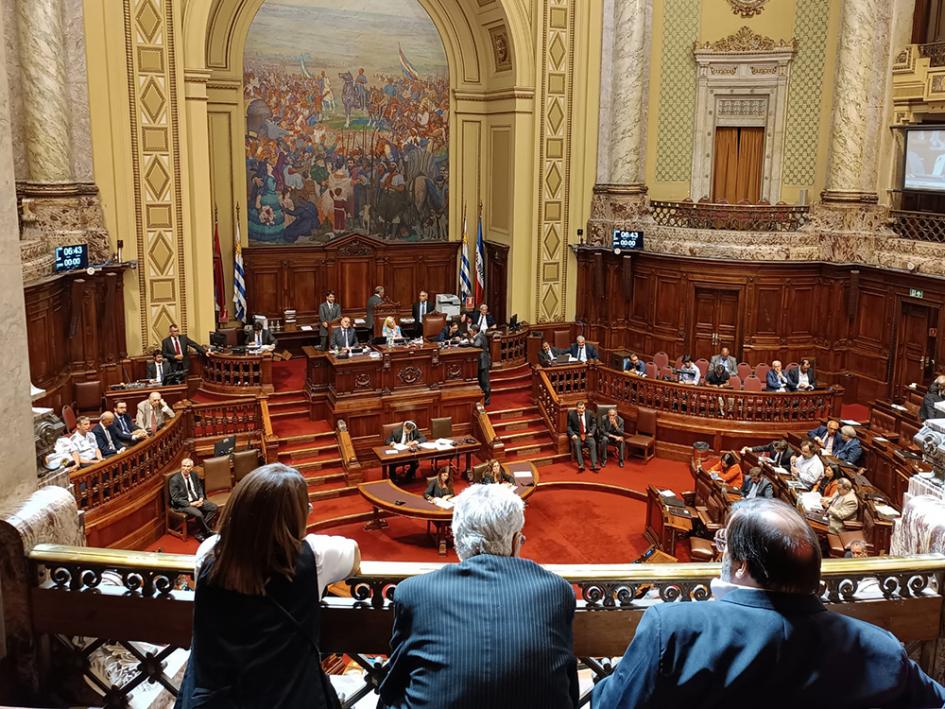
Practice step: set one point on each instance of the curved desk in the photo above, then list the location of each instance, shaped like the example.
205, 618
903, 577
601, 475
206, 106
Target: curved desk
238, 374
385, 495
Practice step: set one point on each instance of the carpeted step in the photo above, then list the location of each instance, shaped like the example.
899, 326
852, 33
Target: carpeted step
331, 491
324, 478
517, 450
543, 457
314, 437
286, 394
528, 437
502, 426
290, 402
296, 410
510, 387
300, 449
312, 466
514, 412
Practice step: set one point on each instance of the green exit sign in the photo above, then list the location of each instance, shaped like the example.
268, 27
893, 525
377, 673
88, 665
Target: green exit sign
916, 293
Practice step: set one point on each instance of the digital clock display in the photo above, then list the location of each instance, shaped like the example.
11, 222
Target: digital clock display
69, 258
627, 240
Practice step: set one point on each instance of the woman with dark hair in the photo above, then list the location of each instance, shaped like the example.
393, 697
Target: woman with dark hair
495, 473
828, 483
728, 470
256, 607
441, 486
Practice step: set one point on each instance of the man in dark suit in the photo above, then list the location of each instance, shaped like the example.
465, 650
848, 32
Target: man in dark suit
483, 318
826, 436
582, 431
849, 451
158, 369
478, 339
935, 394
767, 635
186, 492
776, 380
778, 452
546, 356
582, 351
175, 348
635, 365
407, 435
464, 638
327, 312
801, 377
422, 308
124, 429
757, 485
451, 331
107, 443
260, 337
611, 434
344, 337
372, 304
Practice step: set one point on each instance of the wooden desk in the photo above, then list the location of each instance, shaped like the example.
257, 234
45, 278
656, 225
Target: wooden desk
385, 495
135, 395
237, 374
464, 445
665, 523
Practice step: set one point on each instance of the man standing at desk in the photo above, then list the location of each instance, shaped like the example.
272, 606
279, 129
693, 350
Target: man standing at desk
479, 339
344, 337
372, 304
175, 348
407, 435
422, 308
327, 312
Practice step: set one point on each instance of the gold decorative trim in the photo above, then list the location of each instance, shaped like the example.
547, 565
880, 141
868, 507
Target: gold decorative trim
501, 95
26, 188
608, 188
747, 8
178, 180
746, 41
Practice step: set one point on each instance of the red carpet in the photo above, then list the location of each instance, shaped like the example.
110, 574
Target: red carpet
290, 375
294, 426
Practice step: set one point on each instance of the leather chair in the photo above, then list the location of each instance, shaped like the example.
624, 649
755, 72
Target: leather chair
88, 397
744, 370
387, 430
761, 371
651, 370
441, 427
645, 437
175, 521
561, 340
475, 475
703, 364
217, 479
735, 383
753, 383
68, 418
701, 549
245, 462
661, 360
433, 324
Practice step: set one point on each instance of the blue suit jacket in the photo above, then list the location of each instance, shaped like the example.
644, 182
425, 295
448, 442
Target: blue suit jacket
755, 648
493, 631
772, 381
640, 367
589, 350
850, 451
821, 432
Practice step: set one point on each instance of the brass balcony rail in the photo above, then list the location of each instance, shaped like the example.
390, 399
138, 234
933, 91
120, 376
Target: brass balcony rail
133, 596
735, 217
919, 226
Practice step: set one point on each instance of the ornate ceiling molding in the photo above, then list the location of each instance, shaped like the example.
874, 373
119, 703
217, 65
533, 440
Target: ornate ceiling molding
746, 41
747, 8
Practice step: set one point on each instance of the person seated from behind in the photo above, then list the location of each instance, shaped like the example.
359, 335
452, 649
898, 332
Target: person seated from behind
611, 434
582, 351
85, 446
441, 486
724, 358
185, 488
849, 451
857, 549
547, 355
777, 380
801, 377
828, 483
718, 376
840, 506
688, 371
826, 437
807, 467
934, 395
582, 431
495, 473
107, 444
757, 484
635, 365
257, 600
124, 427
261, 337
411, 436
451, 332
62, 455
491, 650
777, 452
158, 369
766, 616
728, 470
390, 329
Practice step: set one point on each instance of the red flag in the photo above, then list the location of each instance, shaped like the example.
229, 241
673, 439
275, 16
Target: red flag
218, 287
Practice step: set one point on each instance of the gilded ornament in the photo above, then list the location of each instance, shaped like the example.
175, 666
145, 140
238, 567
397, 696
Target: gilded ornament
747, 8
746, 41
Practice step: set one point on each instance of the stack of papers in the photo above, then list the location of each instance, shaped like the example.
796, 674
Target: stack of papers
440, 502
523, 478
886, 511
307, 328
898, 407
400, 446
429, 445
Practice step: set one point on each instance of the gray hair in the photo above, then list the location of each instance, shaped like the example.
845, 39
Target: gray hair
485, 520
848, 431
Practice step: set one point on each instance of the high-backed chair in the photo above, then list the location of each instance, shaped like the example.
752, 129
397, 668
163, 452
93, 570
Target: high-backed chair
734, 382
644, 438
245, 462
761, 371
753, 383
68, 418
745, 370
387, 430
561, 340
433, 324
332, 324
651, 370
175, 521
441, 427
661, 360
217, 479
88, 397
789, 366
703, 364
475, 475
667, 373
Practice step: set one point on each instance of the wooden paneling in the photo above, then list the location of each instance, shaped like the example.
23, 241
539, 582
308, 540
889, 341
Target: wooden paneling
846, 320
297, 277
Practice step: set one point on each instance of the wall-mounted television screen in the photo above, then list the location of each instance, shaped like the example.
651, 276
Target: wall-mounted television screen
925, 159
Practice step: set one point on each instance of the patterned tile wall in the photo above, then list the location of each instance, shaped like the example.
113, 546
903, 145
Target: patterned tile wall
677, 90
804, 93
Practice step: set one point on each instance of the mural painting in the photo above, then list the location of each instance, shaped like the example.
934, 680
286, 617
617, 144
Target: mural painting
347, 113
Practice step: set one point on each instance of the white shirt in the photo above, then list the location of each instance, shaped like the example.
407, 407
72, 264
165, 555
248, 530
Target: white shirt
483, 322
803, 380
422, 310
85, 445
689, 374
334, 557
782, 380
582, 353
809, 470
192, 495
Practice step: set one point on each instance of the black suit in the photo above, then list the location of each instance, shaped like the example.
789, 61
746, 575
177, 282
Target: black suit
485, 362
166, 368
590, 435
793, 378
170, 352
765, 489
608, 429
430, 308
107, 443
780, 459
372, 304
122, 429
928, 410
491, 632
341, 338
476, 317
545, 359
265, 338
590, 352
397, 437
205, 514
445, 336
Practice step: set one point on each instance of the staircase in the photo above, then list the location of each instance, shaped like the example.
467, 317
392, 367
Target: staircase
287, 404
517, 420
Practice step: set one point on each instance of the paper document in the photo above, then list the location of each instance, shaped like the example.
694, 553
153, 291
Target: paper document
430, 446
886, 511
307, 328
898, 407
779, 470
400, 446
440, 502
667, 493
390, 451
850, 422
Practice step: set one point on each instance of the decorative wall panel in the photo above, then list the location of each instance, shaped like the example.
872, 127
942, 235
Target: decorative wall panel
155, 142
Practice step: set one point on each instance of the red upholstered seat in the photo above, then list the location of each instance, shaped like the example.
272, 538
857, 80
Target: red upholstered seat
735, 382
703, 365
753, 383
661, 359
744, 370
761, 371
651, 370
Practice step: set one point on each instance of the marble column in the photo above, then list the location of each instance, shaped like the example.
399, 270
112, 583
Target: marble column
619, 195
858, 93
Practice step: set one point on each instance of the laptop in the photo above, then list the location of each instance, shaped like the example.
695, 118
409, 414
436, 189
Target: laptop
562, 358
224, 446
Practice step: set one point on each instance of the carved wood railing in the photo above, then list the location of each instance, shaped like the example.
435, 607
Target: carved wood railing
269, 441
82, 593
226, 418
568, 380
349, 457
552, 410
510, 349
492, 444
735, 217
919, 226
121, 474
239, 375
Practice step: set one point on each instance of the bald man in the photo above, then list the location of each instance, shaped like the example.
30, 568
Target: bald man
767, 639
